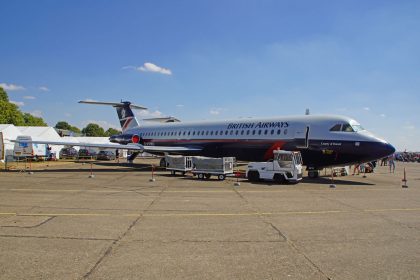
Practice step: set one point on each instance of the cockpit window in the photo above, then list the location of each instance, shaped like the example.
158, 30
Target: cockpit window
347, 128
336, 127
357, 127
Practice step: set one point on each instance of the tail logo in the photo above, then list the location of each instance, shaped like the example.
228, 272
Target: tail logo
127, 122
123, 114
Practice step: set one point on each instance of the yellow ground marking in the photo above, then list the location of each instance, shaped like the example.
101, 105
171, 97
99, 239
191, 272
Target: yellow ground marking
188, 191
207, 214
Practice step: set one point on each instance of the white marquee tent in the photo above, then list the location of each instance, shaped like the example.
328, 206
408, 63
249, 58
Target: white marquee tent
7, 132
42, 133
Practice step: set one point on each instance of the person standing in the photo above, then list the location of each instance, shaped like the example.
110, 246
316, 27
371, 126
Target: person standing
391, 163
117, 156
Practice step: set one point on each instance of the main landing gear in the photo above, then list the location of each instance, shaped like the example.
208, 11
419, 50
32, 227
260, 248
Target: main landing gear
313, 173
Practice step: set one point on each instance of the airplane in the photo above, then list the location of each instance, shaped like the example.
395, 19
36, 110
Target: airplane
323, 140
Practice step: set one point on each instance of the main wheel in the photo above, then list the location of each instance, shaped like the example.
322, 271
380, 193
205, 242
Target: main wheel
313, 174
253, 176
162, 162
200, 176
207, 176
173, 172
221, 177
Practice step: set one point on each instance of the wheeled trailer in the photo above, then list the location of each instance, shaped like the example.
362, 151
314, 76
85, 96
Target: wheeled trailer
205, 167
176, 163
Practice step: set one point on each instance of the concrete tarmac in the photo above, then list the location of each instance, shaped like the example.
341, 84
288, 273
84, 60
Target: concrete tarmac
59, 224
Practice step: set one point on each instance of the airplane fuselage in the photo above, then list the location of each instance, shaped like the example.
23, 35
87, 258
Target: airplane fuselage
322, 140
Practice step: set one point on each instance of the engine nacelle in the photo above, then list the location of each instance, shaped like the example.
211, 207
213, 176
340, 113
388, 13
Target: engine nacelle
125, 139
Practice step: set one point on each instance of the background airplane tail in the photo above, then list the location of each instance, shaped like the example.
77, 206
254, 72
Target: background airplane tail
124, 110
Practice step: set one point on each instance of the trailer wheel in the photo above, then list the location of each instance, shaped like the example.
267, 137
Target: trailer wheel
207, 176
279, 178
162, 162
200, 176
253, 176
221, 177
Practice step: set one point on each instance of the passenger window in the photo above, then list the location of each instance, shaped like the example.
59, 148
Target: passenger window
231, 132
207, 132
336, 127
259, 132
253, 132
265, 132
247, 132
211, 132
272, 131
279, 132
216, 132
226, 132
242, 132
189, 132
183, 133
285, 131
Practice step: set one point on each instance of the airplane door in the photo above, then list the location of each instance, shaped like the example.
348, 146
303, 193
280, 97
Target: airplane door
302, 137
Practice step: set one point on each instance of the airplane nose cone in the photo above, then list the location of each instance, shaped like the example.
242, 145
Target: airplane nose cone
389, 149
385, 150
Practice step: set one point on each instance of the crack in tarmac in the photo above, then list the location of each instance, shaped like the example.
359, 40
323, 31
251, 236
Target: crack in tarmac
56, 237
281, 235
117, 241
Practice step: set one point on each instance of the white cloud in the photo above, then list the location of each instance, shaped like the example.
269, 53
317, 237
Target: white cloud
43, 88
36, 113
382, 115
17, 103
179, 105
104, 124
29, 97
67, 114
215, 111
11, 87
409, 127
129, 67
366, 108
149, 67
149, 114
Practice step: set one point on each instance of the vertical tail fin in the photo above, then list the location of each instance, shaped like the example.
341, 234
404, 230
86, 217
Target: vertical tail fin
125, 114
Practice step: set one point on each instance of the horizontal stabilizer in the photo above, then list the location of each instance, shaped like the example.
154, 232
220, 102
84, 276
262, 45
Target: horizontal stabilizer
162, 120
114, 104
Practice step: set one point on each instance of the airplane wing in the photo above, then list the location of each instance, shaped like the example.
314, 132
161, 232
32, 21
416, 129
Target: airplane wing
136, 147
132, 146
168, 149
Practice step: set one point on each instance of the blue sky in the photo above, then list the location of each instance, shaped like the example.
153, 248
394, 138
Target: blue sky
217, 60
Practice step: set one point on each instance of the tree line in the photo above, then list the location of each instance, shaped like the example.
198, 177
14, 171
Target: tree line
11, 114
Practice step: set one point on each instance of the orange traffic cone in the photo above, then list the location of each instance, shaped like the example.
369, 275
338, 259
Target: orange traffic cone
404, 180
